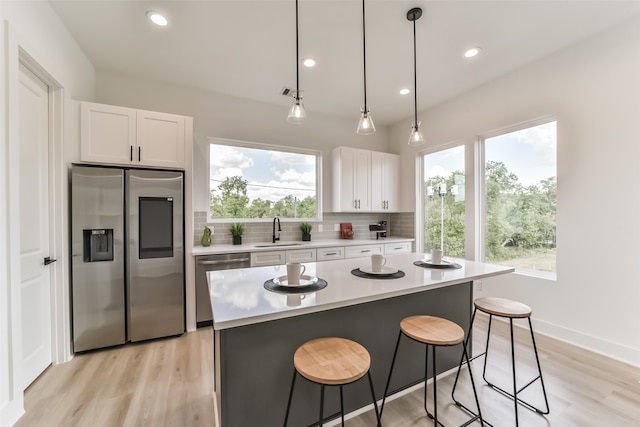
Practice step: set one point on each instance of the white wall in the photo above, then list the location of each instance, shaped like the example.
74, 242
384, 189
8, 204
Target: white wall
593, 89
31, 29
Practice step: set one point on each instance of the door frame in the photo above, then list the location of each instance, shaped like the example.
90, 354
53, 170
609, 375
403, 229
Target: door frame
60, 325
58, 246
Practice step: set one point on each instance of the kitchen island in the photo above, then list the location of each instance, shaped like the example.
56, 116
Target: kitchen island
256, 332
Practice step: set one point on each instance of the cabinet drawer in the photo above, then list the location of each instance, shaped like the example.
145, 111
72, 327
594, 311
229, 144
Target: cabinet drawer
326, 254
260, 259
301, 255
397, 248
362, 251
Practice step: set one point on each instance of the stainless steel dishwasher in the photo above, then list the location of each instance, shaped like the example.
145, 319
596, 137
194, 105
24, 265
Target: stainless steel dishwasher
216, 262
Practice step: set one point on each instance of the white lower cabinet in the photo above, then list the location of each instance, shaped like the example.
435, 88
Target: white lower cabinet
327, 254
397, 248
301, 255
261, 259
363, 250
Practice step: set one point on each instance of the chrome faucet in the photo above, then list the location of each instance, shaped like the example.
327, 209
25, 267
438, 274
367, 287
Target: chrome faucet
273, 236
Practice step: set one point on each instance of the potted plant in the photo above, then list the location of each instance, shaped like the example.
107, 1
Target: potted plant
236, 231
306, 231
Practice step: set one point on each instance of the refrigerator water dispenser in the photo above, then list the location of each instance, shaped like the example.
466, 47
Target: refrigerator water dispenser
98, 245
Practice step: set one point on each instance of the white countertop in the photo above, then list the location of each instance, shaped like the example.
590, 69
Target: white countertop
238, 297
282, 246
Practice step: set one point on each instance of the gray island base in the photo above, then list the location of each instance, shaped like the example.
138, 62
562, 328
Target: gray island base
253, 355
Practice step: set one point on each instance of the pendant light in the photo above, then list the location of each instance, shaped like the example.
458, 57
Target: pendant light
297, 114
416, 137
365, 125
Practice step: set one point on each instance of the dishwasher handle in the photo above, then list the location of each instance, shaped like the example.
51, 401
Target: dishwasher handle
223, 261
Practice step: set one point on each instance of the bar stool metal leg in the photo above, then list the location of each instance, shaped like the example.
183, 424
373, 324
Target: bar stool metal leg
293, 383
433, 416
393, 363
510, 313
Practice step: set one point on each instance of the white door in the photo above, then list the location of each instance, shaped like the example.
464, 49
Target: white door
34, 225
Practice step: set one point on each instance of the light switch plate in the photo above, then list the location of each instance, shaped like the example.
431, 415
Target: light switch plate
336, 227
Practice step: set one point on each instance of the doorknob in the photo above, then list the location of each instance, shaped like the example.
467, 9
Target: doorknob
48, 261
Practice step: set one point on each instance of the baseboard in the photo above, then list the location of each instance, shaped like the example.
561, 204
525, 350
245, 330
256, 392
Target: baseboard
11, 412
612, 350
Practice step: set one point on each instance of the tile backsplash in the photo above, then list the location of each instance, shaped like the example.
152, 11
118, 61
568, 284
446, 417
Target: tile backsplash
398, 225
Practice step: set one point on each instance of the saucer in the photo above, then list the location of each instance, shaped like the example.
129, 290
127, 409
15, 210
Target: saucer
443, 262
385, 270
304, 281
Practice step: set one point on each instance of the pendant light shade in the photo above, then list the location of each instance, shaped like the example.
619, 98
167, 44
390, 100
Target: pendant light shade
297, 113
365, 125
416, 137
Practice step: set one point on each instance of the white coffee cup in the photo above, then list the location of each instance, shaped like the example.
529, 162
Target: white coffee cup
377, 262
436, 256
294, 271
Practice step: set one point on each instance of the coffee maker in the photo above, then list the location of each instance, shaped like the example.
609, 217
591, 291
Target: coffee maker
380, 229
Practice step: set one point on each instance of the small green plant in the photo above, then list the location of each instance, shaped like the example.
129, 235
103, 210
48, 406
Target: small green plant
306, 228
236, 229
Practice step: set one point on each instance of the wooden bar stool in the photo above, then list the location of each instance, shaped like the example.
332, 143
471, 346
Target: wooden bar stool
331, 361
511, 310
435, 332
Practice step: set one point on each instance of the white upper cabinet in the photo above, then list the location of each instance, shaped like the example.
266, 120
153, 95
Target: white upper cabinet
351, 180
107, 133
120, 135
365, 181
385, 170
160, 139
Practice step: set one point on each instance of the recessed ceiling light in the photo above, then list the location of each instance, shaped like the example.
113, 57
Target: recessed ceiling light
404, 91
309, 62
470, 53
157, 18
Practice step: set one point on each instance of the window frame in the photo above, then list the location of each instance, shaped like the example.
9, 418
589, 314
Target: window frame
420, 212
267, 147
480, 178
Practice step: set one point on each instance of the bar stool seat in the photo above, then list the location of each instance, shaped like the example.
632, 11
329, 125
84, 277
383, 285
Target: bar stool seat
435, 332
511, 310
331, 361
502, 307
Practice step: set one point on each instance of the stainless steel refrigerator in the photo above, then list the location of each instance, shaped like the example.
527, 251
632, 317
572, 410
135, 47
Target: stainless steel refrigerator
127, 255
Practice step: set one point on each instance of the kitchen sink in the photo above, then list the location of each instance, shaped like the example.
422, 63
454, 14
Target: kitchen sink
277, 244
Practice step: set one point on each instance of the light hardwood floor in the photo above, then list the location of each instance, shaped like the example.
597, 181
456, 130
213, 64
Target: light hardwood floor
169, 383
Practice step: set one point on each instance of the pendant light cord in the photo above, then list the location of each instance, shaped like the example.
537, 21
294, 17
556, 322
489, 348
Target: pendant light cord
364, 57
415, 78
297, 58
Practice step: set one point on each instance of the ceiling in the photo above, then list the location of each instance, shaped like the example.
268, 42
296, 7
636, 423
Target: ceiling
246, 48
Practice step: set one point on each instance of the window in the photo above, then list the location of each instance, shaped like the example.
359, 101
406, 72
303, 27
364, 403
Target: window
250, 180
443, 195
520, 198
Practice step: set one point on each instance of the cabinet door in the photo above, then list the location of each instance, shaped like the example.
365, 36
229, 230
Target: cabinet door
160, 140
301, 255
107, 133
351, 180
397, 248
362, 251
343, 180
385, 168
362, 180
326, 254
391, 182
259, 259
